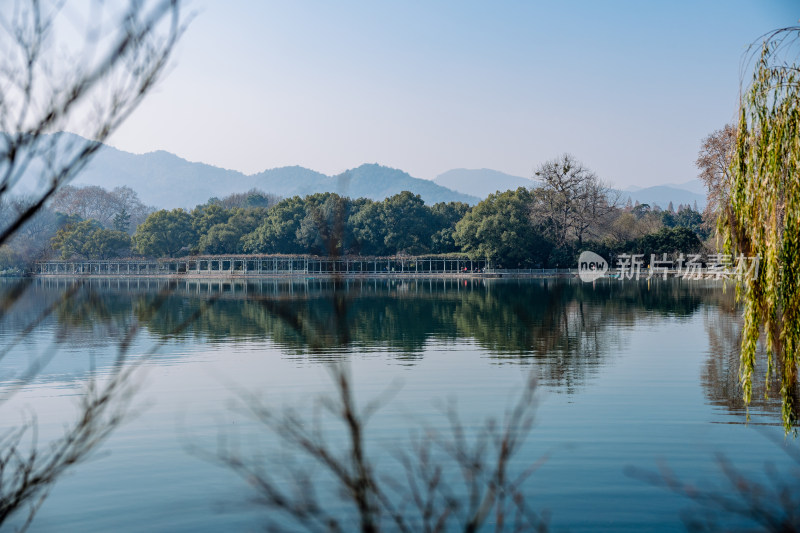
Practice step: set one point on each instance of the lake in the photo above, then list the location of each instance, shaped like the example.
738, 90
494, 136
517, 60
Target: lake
632, 375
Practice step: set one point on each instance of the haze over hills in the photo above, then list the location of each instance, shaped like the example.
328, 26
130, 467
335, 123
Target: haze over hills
481, 182
368, 181
695, 185
161, 179
165, 180
662, 195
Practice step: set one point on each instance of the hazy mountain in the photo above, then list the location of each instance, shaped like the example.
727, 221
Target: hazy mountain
663, 195
162, 179
293, 181
695, 185
165, 180
481, 182
368, 181
378, 182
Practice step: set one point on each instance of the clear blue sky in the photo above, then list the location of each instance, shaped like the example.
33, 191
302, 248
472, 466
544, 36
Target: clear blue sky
628, 87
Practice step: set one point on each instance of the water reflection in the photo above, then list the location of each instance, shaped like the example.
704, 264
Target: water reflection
566, 329
588, 341
720, 374
512, 317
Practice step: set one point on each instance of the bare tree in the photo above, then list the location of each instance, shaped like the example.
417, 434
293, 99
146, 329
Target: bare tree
128, 203
32, 240
595, 205
47, 87
572, 200
714, 163
252, 198
99, 204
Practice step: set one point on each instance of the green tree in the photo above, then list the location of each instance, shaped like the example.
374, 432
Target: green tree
106, 243
500, 229
252, 198
763, 213
91, 240
685, 218
445, 216
206, 216
324, 230
666, 241
368, 226
70, 239
122, 220
278, 233
408, 224
247, 219
165, 233
226, 238
221, 239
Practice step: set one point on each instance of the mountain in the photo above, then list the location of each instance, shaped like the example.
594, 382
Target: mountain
694, 185
481, 182
368, 181
164, 180
160, 178
378, 182
663, 195
293, 181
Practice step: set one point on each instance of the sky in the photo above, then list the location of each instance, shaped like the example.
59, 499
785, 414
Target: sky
629, 88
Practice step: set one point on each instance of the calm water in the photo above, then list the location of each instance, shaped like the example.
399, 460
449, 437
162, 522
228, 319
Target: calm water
631, 374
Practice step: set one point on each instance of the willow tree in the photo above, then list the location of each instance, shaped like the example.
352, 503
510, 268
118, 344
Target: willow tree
762, 218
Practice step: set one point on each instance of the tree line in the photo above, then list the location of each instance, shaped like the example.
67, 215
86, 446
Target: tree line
541, 227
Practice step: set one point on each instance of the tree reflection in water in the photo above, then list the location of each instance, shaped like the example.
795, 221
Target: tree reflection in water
720, 374
562, 328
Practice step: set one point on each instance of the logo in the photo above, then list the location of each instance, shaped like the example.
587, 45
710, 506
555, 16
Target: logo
591, 266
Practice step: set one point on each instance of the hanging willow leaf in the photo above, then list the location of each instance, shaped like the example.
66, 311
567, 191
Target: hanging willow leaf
763, 216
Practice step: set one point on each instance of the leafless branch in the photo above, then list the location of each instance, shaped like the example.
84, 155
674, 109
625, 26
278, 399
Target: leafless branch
43, 93
772, 506
427, 498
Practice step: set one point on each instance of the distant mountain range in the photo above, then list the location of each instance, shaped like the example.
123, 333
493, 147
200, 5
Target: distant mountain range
481, 182
686, 193
367, 181
165, 180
